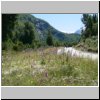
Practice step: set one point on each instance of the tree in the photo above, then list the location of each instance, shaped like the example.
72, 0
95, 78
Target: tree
49, 39
85, 19
95, 29
8, 23
28, 37
91, 25
95, 18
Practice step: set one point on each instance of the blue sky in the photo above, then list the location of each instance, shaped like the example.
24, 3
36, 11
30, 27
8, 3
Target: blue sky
68, 23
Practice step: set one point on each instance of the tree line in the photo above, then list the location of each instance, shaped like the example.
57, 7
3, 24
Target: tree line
91, 25
89, 37
19, 35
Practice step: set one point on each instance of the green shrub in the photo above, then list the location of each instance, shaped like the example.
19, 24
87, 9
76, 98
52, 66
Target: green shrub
4, 46
89, 44
8, 45
18, 46
15, 47
42, 62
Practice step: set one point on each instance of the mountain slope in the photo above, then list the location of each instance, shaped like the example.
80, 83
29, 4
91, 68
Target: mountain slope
78, 31
42, 27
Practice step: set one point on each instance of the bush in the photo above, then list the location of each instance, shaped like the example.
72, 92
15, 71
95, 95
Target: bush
89, 44
4, 46
15, 47
8, 45
43, 62
18, 46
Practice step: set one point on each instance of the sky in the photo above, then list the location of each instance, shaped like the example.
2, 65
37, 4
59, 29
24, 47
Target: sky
68, 23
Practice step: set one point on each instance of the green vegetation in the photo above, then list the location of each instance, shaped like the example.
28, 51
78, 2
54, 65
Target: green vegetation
22, 31
8, 23
29, 53
44, 68
89, 38
28, 35
90, 44
49, 39
91, 25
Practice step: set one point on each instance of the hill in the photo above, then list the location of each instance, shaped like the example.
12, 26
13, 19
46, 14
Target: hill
42, 27
78, 31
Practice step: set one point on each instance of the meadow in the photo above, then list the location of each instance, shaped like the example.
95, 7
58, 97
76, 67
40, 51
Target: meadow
43, 67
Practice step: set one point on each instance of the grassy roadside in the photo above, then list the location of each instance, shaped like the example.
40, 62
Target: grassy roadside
44, 68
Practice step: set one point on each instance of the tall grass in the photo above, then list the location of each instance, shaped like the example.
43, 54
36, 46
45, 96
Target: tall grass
36, 68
